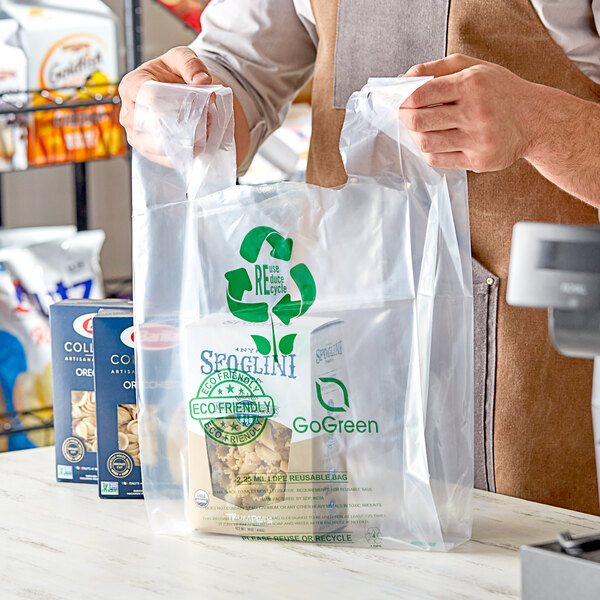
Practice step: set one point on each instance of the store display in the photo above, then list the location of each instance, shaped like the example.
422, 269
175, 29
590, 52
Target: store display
75, 432
58, 269
13, 78
357, 433
119, 473
69, 45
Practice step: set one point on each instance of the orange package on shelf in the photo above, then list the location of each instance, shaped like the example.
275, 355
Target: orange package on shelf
75, 135
188, 11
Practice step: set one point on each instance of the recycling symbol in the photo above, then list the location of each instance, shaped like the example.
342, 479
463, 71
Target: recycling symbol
373, 536
285, 309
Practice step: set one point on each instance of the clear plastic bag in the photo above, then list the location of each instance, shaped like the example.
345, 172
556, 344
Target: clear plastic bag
304, 355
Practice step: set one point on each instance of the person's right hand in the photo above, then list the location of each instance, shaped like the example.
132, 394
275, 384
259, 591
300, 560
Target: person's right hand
178, 65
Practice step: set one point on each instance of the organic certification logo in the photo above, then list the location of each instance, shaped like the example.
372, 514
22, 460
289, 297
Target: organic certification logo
232, 407
271, 282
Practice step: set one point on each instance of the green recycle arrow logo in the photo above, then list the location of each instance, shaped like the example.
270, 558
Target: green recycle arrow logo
238, 282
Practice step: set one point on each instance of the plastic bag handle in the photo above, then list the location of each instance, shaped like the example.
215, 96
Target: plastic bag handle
170, 129
374, 142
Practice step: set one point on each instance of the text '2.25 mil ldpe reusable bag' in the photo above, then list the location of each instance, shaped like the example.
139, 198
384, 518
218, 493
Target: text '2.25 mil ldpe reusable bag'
304, 355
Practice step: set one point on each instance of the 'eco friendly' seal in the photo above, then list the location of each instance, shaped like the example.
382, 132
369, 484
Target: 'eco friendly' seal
232, 407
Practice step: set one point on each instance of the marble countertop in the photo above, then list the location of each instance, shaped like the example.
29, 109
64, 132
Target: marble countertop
60, 541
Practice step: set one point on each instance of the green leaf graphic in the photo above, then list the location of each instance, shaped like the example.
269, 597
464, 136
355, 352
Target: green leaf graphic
343, 389
286, 343
262, 344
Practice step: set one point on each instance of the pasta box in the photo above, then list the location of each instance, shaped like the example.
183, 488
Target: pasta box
71, 330
118, 450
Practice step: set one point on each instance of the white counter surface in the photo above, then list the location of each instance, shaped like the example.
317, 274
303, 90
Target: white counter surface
60, 541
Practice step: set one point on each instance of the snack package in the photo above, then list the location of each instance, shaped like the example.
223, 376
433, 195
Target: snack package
58, 269
317, 381
28, 328
119, 473
69, 44
75, 431
20, 237
25, 373
13, 78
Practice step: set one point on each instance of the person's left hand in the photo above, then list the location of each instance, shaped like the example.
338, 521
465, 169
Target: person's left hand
474, 115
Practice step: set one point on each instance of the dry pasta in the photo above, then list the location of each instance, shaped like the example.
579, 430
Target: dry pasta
128, 431
232, 467
83, 418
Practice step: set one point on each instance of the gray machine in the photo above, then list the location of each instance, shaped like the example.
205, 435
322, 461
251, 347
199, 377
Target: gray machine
558, 267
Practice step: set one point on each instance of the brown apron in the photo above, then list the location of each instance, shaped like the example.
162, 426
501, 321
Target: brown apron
538, 424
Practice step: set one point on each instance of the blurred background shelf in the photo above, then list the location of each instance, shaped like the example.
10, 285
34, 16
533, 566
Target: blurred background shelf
15, 424
82, 98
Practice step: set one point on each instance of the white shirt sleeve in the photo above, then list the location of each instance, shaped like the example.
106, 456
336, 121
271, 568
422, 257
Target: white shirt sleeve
575, 26
264, 51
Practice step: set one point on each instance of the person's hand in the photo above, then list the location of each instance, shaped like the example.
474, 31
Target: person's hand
178, 65
474, 115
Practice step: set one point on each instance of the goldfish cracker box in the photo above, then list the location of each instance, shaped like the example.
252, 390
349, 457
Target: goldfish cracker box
68, 44
75, 430
13, 78
266, 428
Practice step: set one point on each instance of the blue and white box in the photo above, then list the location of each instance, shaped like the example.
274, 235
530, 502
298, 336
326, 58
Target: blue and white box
71, 327
119, 472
